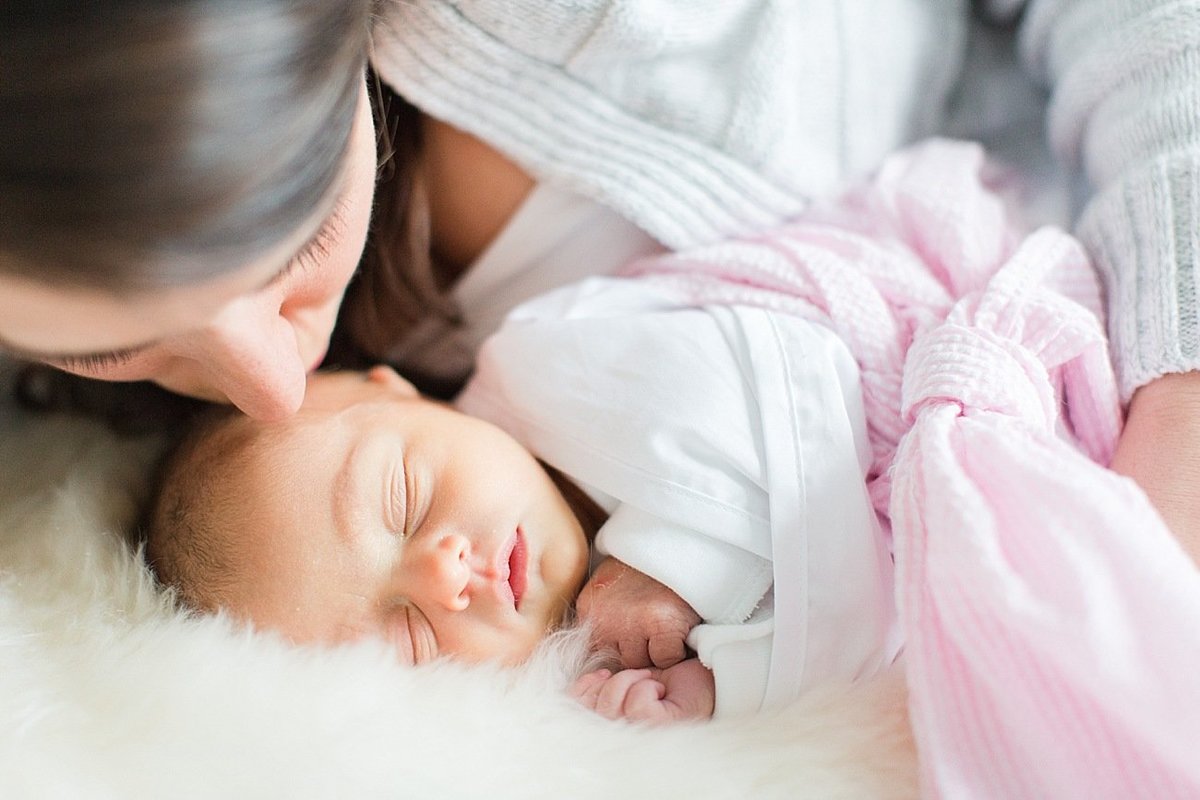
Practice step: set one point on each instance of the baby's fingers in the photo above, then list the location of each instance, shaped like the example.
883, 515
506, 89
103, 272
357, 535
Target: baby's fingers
644, 703
610, 700
586, 688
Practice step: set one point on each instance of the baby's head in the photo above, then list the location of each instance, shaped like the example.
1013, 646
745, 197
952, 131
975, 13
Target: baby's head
371, 512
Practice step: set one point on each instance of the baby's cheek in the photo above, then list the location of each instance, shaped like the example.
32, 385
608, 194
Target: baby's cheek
344, 633
520, 646
510, 648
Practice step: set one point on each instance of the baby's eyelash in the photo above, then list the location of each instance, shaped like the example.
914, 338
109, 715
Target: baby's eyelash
399, 506
409, 498
417, 640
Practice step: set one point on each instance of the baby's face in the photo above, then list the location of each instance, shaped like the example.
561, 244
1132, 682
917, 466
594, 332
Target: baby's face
375, 512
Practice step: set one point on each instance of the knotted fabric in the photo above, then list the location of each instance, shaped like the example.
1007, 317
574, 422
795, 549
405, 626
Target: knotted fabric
1051, 621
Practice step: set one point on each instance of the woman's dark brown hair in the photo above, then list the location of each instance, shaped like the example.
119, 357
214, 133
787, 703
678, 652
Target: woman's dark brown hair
147, 144
397, 285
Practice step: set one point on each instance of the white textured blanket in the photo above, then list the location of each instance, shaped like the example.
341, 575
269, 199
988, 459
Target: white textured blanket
106, 691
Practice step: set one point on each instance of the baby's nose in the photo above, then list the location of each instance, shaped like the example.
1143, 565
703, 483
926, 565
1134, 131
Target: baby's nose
448, 572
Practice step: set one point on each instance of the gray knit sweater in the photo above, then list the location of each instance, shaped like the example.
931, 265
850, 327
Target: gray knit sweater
702, 119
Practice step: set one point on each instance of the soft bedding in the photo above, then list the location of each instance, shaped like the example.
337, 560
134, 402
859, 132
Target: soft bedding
106, 691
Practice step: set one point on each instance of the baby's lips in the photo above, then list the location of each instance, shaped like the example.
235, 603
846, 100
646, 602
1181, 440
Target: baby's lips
518, 566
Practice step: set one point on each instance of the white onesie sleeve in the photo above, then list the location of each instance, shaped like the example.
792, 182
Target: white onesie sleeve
721, 582
730, 446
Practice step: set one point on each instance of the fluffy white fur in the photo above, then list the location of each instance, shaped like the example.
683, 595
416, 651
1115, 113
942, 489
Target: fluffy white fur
107, 691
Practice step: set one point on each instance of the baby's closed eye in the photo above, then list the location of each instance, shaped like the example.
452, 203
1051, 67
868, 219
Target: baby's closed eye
412, 634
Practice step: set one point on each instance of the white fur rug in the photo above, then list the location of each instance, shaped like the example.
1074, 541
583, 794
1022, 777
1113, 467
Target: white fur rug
105, 691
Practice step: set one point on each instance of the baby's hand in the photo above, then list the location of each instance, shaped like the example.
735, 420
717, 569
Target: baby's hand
684, 691
644, 621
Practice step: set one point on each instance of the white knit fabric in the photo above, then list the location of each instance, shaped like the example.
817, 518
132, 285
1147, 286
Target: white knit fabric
701, 119
1126, 108
697, 119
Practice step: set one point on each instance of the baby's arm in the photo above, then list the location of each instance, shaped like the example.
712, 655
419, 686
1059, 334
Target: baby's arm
684, 691
641, 619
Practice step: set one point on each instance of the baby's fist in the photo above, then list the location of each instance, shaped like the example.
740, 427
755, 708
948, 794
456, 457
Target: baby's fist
640, 618
684, 691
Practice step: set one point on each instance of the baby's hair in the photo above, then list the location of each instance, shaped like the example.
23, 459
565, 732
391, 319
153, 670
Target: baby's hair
186, 525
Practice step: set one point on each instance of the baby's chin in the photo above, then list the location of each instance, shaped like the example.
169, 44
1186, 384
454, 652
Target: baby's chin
516, 655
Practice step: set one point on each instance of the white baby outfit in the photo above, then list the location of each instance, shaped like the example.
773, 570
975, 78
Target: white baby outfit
729, 446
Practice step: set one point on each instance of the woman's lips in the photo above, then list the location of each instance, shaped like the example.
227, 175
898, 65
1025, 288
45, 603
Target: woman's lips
518, 558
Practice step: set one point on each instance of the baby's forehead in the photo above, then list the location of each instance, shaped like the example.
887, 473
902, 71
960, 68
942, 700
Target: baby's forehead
318, 425
297, 575
342, 387
329, 392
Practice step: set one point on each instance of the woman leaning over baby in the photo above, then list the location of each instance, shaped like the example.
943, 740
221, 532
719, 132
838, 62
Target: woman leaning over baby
189, 191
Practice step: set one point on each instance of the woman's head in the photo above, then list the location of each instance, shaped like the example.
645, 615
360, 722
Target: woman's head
184, 188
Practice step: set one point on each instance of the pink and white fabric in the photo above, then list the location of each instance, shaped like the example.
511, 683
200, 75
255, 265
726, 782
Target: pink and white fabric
1052, 622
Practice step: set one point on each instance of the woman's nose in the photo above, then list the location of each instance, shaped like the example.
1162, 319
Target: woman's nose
249, 353
445, 570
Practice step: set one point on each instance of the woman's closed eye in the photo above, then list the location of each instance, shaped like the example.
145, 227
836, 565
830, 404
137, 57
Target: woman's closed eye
96, 362
310, 256
319, 246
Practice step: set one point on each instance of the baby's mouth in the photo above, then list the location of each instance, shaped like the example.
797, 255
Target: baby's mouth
518, 558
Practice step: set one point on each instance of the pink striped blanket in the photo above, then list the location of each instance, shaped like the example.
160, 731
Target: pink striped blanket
1052, 622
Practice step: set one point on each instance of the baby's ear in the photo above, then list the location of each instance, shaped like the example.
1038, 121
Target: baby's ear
388, 377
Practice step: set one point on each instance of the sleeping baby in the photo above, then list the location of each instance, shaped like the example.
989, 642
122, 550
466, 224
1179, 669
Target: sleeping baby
738, 558
377, 512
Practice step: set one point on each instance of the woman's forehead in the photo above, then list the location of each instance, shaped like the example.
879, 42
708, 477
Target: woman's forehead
305, 576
